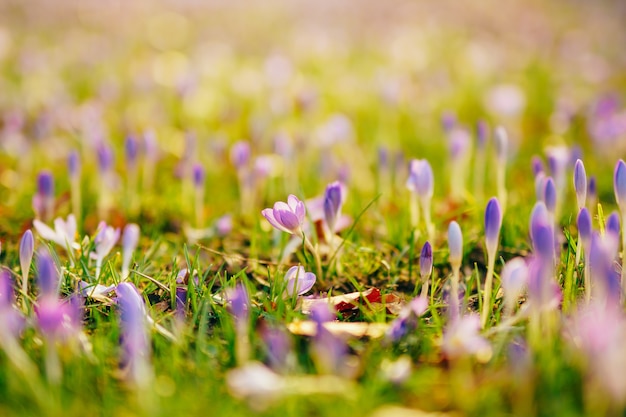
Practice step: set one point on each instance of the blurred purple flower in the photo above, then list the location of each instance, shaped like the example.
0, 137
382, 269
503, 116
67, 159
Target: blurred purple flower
583, 222
27, 248
11, 320
407, 319
333, 200
550, 195
619, 185
104, 241
224, 225
238, 303
537, 165
455, 244
240, 154
288, 217
130, 239
198, 175
482, 133
514, 277
105, 157
43, 200
135, 338
73, 164
131, 150
580, 183
462, 338
421, 180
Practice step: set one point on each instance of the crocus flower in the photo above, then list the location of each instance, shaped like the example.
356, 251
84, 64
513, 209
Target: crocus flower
288, 217
619, 186
240, 154
63, 234
580, 183
493, 223
198, 175
135, 338
181, 294
333, 199
239, 307
455, 245
11, 320
407, 319
328, 350
298, 281
131, 151
104, 241
426, 266
421, 184
592, 193
27, 247
549, 196
583, 222
605, 286
537, 165
43, 201
130, 239
462, 338
223, 225
613, 225
514, 278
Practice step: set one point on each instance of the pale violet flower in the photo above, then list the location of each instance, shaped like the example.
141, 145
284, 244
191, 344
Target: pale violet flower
104, 241
462, 338
288, 217
130, 239
298, 281
63, 234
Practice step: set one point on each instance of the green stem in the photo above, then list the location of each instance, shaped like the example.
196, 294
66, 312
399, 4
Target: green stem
487, 293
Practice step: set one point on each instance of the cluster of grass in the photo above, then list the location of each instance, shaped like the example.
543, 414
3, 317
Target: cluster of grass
321, 107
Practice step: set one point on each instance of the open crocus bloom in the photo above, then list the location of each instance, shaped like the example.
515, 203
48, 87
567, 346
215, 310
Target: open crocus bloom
287, 217
298, 281
63, 234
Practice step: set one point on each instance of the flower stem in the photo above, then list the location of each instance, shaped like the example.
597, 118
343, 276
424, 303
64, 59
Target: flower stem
316, 255
487, 292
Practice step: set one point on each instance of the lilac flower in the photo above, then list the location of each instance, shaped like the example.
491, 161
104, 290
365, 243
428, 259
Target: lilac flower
223, 225
105, 157
580, 183
613, 225
27, 247
407, 319
135, 338
238, 303
583, 222
181, 294
333, 199
130, 239
278, 347
514, 278
541, 231
104, 241
426, 261
288, 217
63, 234
298, 281
462, 338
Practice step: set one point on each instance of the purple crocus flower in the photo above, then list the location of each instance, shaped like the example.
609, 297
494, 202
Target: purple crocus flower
224, 225
288, 217
583, 222
43, 200
181, 294
619, 185
333, 199
455, 244
580, 183
11, 320
135, 338
462, 338
407, 319
426, 261
421, 179
493, 223
592, 192
130, 239
537, 165
104, 241
550, 195
514, 278
27, 247
298, 281
105, 157
240, 154
73, 164
539, 225
198, 175
606, 279
328, 351
131, 150
238, 303
448, 121
482, 133
613, 225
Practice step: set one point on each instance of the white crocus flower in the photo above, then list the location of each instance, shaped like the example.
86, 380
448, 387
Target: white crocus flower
106, 238
63, 234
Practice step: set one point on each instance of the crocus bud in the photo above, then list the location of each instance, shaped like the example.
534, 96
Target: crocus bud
130, 239
198, 175
135, 340
549, 196
47, 274
27, 246
238, 303
541, 232
540, 186
455, 244
45, 184
448, 121
501, 140
537, 165
332, 204
426, 261
592, 191
105, 157
580, 183
73, 163
240, 154
613, 225
493, 223
131, 150
619, 185
583, 222
482, 133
